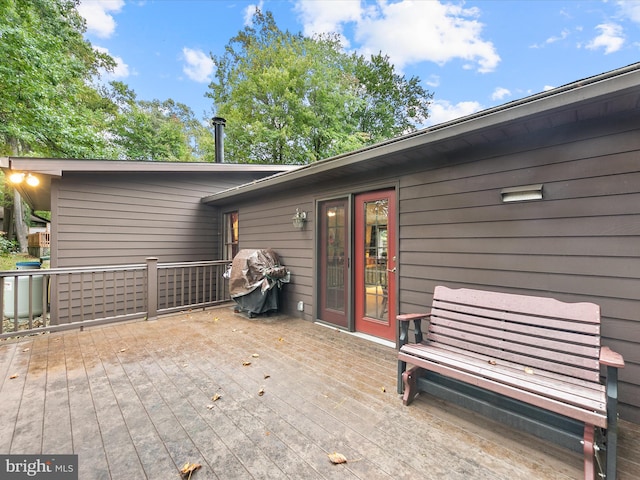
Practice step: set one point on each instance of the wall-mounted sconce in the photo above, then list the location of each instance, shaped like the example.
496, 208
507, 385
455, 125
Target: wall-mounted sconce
299, 219
29, 179
522, 194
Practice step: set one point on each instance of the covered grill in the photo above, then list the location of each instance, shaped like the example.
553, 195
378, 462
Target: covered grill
255, 280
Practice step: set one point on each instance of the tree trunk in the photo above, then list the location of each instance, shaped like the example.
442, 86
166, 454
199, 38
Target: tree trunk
18, 216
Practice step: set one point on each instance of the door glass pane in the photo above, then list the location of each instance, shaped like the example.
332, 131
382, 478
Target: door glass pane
375, 252
335, 258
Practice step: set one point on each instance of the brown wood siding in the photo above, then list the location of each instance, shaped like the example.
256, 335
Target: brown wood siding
580, 243
110, 219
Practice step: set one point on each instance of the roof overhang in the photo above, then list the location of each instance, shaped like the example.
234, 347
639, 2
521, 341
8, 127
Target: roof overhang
609, 93
39, 198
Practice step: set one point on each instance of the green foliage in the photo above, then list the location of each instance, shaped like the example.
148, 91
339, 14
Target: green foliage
8, 246
292, 99
155, 130
47, 106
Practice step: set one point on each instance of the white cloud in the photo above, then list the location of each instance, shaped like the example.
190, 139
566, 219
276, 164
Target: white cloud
611, 38
500, 93
198, 66
250, 10
97, 14
121, 70
630, 9
408, 31
328, 16
433, 81
442, 111
563, 35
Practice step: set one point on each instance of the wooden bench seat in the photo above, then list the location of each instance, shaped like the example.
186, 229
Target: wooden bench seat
531, 362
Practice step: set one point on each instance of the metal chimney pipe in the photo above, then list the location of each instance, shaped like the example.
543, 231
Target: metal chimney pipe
218, 131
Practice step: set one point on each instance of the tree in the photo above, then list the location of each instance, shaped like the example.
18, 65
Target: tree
293, 99
393, 104
48, 106
157, 130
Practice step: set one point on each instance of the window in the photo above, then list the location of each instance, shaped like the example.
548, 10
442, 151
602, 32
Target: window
231, 230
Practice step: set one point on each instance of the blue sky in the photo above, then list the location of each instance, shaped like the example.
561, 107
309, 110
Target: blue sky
471, 54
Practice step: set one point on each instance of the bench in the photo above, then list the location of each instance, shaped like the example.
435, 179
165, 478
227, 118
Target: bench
533, 363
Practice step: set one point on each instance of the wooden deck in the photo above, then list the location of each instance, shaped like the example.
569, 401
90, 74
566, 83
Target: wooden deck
134, 401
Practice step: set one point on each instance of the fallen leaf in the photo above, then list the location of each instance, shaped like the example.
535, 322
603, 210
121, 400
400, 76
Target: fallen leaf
123, 350
26, 349
15, 375
492, 362
261, 392
528, 370
216, 319
337, 458
266, 375
188, 469
255, 355
384, 389
216, 397
246, 363
281, 339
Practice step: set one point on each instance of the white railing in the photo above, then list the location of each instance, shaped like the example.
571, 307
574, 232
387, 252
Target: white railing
35, 301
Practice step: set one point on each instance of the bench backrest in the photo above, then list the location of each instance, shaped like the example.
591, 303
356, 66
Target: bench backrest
537, 333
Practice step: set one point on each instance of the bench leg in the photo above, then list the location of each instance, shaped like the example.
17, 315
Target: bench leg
612, 422
589, 452
410, 387
402, 366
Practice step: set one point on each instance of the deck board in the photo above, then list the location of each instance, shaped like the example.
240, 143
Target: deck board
134, 400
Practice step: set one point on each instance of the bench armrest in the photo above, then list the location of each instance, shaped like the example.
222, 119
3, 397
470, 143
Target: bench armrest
407, 317
404, 326
610, 358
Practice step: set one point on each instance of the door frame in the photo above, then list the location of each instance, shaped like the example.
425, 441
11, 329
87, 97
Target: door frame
350, 197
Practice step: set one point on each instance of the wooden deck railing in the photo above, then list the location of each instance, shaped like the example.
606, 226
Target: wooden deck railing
39, 239
35, 301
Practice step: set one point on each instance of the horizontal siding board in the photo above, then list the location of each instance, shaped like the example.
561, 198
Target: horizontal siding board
606, 246
597, 266
592, 287
607, 226
610, 206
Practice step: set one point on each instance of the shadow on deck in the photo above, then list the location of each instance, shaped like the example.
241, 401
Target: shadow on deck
135, 400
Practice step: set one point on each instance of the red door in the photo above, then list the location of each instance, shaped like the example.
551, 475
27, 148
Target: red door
375, 264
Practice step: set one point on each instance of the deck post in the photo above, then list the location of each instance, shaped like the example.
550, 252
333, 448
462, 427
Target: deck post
152, 288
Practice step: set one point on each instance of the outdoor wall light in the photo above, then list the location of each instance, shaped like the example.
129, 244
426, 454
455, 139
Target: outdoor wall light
16, 177
299, 219
32, 180
29, 179
522, 194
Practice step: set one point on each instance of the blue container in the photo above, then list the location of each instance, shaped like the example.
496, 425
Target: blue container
28, 265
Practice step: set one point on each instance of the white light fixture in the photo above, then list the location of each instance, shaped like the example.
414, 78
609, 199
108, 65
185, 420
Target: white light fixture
299, 219
16, 177
522, 194
32, 180
28, 178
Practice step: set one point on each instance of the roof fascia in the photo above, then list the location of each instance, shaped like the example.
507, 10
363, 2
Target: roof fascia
56, 166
